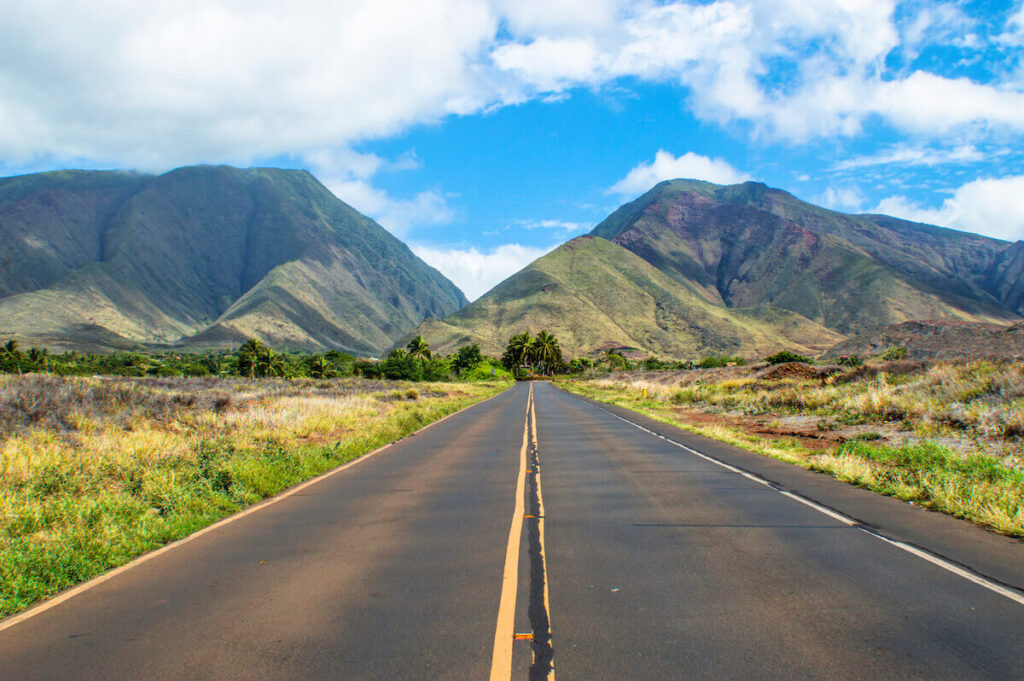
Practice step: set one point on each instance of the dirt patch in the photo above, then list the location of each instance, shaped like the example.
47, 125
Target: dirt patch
796, 370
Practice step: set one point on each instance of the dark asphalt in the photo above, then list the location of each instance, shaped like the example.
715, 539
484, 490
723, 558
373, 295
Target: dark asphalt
388, 570
660, 564
664, 565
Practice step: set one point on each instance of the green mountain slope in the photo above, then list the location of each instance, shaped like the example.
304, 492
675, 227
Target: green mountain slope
204, 257
748, 244
742, 268
593, 294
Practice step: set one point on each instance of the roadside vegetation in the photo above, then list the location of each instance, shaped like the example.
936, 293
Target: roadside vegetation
946, 435
97, 470
255, 359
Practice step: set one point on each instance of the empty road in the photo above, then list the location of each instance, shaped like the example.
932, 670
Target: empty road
538, 535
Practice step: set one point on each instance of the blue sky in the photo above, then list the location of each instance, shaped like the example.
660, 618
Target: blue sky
485, 132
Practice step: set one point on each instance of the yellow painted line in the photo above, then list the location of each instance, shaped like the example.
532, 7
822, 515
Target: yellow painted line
540, 538
501, 658
56, 600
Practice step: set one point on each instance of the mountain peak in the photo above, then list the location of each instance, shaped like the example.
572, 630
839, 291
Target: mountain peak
201, 255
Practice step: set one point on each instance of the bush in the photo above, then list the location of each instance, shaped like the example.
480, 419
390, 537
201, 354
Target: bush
893, 354
436, 370
482, 372
713, 362
787, 356
402, 367
368, 369
850, 361
580, 364
654, 364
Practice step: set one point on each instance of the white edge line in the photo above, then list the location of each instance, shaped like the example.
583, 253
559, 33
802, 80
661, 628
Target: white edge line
966, 573
62, 596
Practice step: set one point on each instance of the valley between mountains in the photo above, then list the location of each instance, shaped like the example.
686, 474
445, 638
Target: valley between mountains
206, 257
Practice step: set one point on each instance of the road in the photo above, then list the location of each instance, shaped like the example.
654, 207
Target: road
537, 528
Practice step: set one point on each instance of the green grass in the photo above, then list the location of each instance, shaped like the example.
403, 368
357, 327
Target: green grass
79, 497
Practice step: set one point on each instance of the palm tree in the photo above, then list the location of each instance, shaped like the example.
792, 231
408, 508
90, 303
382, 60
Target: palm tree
249, 356
518, 352
13, 354
418, 347
546, 351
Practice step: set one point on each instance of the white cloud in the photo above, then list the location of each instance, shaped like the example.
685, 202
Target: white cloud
843, 198
668, 167
157, 84
348, 175
549, 65
476, 272
993, 207
555, 225
794, 69
913, 156
530, 17
163, 83
1014, 34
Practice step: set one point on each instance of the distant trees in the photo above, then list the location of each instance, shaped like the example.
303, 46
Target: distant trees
256, 360
542, 354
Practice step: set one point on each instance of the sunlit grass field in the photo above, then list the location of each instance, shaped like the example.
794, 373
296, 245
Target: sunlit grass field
96, 471
946, 436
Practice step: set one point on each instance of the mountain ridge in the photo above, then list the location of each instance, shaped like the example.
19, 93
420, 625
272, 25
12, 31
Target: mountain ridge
752, 247
167, 260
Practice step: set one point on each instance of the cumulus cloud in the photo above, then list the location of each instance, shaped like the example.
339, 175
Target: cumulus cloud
993, 207
794, 69
163, 83
157, 84
475, 271
665, 166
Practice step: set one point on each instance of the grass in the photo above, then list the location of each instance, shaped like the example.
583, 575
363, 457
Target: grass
945, 436
98, 471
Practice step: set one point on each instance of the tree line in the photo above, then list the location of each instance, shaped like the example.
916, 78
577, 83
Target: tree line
256, 359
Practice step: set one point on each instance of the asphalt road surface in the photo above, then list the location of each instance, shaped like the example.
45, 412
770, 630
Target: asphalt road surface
537, 534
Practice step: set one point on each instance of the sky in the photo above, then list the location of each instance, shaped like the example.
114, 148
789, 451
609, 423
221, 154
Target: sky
484, 133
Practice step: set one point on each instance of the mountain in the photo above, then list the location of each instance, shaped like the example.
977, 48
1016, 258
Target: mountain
204, 256
691, 268
938, 339
748, 244
594, 294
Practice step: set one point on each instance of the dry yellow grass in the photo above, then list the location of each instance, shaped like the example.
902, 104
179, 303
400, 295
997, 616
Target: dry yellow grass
97, 471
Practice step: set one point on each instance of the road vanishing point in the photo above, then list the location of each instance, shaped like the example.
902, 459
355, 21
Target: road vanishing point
538, 534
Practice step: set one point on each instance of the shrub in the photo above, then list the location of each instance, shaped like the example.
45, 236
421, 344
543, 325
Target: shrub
402, 367
850, 361
367, 368
787, 356
893, 354
713, 362
436, 370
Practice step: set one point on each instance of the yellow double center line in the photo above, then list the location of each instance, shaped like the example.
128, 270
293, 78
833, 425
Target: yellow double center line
504, 634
